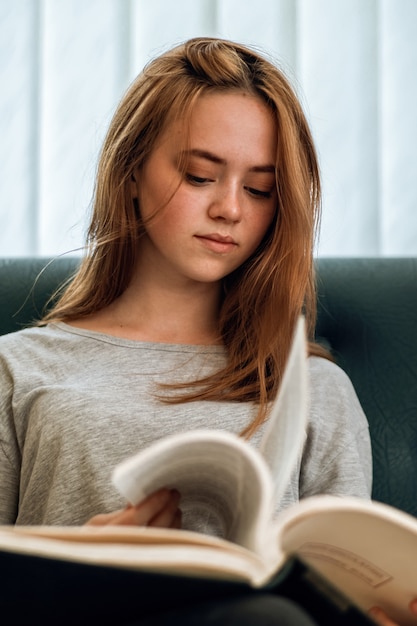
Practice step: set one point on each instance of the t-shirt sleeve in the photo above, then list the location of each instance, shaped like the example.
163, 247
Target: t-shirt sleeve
337, 457
9, 451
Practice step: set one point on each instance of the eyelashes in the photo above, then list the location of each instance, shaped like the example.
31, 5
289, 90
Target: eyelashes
197, 180
258, 193
200, 181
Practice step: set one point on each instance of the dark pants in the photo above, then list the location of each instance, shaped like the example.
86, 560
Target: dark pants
253, 610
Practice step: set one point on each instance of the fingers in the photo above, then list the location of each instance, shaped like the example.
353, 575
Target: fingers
381, 617
170, 515
413, 606
160, 509
103, 519
177, 521
157, 510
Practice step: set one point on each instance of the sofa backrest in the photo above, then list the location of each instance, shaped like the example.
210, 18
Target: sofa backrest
367, 314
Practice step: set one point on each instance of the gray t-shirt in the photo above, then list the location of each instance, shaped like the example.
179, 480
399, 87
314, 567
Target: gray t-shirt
74, 403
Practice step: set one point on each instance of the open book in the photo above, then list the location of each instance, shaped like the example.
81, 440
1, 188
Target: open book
355, 554
224, 481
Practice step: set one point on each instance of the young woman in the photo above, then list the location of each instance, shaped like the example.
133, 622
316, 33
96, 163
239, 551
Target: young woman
199, 262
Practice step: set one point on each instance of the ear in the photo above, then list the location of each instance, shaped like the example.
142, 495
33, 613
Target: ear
135, 194
134, 185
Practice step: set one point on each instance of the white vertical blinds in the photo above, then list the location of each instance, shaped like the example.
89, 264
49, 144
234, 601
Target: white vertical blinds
64, 64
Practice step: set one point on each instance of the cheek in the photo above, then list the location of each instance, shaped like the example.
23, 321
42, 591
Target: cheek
260, 226
160, 230
160, 209
168, 224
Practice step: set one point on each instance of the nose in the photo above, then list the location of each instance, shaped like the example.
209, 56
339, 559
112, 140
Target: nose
226, 205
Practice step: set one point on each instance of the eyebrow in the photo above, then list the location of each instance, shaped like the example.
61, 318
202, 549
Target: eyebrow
209, 156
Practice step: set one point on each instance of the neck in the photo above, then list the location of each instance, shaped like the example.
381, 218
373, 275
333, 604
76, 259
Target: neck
183, 314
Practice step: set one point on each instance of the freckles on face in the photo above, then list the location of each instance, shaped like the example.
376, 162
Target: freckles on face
207, 220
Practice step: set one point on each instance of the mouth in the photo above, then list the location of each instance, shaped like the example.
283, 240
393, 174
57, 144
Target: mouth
217, 242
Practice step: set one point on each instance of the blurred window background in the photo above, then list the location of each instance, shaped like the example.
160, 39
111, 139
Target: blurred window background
64, 65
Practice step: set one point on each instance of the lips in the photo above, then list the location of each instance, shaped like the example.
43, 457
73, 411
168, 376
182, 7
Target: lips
218, 237
217, 242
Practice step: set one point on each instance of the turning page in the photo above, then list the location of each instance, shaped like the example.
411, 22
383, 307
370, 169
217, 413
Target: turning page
225, 484
285, 432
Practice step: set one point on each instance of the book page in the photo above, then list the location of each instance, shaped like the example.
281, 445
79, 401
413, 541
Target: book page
285, 433
138, 548
368, 550
224, 483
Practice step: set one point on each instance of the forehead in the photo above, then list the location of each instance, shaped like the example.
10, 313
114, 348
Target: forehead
232, 121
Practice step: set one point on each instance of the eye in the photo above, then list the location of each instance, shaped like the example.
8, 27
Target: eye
196, 180
258, 193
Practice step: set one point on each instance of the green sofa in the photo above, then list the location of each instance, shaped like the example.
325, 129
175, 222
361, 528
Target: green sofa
367, 315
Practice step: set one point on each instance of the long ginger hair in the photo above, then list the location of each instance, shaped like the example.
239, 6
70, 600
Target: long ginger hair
264, 297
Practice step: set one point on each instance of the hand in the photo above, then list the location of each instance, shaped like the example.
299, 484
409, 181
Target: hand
382, 618
159, 510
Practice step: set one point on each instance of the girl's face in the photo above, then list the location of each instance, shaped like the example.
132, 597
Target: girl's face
212, 218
